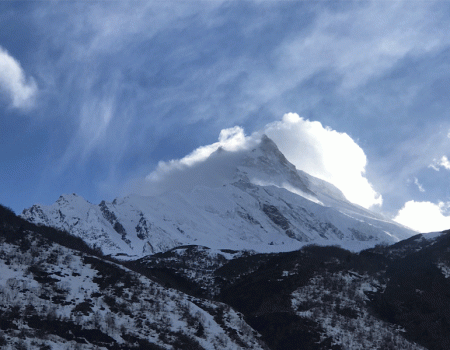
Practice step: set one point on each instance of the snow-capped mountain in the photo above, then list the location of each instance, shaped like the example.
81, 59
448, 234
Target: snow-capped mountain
251, 199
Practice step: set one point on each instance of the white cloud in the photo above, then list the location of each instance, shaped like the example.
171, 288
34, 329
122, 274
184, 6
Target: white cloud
424, 216
326, 154
319, 151
13, 82
232, 139
193, 170
440, 163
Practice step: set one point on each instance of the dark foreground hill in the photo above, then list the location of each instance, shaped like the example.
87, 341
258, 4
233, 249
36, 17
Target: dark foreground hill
65, 296
389, 297
57, 293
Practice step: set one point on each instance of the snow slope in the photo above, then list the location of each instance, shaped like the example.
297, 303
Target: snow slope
53, 297
252, 199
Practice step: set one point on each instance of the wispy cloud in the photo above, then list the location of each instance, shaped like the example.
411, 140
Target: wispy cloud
114, 77
352, 46
418, 184
14, 83
364, 42
405, 159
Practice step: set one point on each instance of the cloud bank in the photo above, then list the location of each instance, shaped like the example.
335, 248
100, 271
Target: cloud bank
424, 216
311, 147
327, 154
13, 82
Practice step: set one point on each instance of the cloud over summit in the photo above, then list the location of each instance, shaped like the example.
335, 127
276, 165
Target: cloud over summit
232, 139
311, 147
327, 154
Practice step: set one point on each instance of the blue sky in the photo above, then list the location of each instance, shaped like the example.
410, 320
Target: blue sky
95, 94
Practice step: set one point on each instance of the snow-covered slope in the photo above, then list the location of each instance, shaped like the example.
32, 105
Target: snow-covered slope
55, 297
252, 199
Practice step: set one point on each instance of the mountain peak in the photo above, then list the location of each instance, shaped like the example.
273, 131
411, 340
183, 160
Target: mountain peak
270, 148
248, 197
71, 199
257, 160
266, 165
